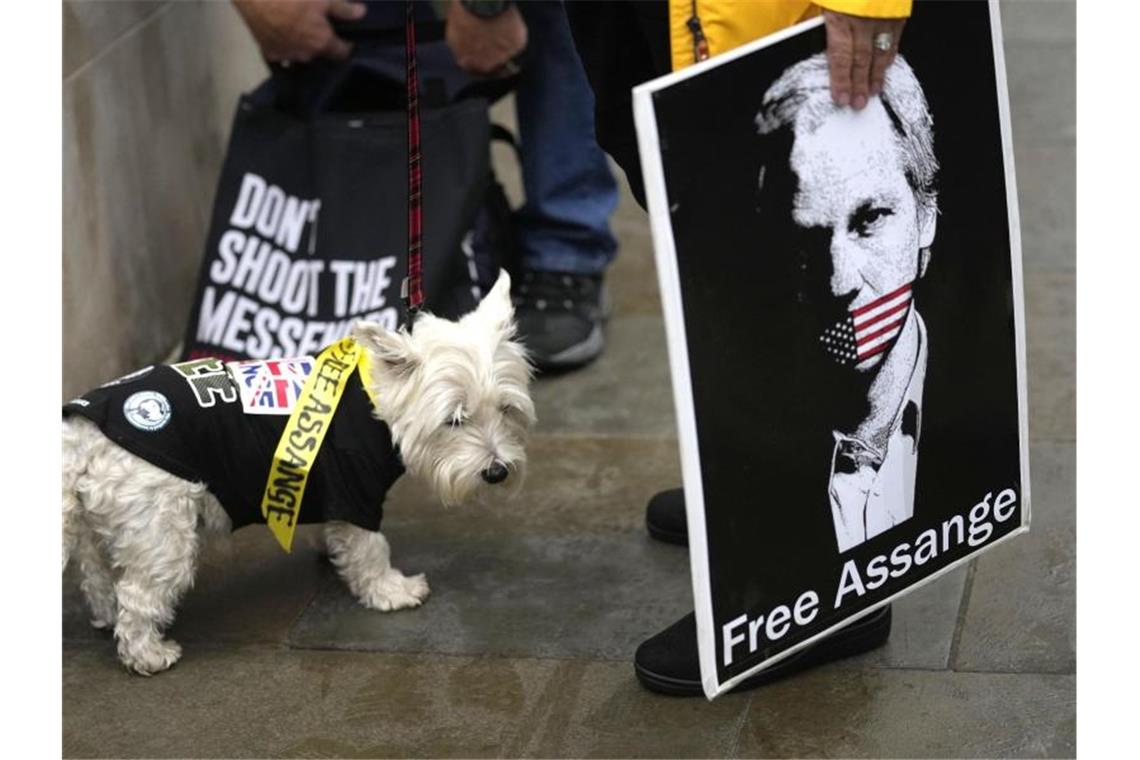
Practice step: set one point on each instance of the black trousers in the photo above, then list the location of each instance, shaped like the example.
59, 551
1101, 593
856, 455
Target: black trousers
621, 44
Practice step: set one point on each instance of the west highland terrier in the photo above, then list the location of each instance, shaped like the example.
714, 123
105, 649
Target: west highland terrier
448, 401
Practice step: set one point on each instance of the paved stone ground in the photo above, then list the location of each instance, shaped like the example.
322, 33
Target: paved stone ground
524, 648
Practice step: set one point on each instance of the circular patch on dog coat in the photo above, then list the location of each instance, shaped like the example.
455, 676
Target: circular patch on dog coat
147, 410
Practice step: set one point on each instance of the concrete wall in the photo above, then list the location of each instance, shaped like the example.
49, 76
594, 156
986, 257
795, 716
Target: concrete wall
149, 90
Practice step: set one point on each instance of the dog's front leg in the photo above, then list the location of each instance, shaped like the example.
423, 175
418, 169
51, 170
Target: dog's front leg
363, 560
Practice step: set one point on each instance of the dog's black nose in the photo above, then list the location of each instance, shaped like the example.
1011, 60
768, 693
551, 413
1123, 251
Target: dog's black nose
496, 473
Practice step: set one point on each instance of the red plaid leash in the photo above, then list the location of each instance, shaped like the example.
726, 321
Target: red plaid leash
413, 284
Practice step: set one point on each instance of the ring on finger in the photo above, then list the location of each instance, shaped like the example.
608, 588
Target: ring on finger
884, 41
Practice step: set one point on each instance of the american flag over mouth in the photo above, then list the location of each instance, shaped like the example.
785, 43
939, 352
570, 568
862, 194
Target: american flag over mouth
869, 330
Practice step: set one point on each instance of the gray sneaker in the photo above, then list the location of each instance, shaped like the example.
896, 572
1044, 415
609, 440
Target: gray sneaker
560, 317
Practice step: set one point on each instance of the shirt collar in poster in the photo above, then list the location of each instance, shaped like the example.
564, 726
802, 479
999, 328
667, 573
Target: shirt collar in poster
872, 491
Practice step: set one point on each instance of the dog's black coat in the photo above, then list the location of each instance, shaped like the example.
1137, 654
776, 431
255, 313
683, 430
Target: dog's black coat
231, 451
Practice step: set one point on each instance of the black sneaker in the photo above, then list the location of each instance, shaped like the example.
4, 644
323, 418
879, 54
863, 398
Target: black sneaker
559, 317
668, 663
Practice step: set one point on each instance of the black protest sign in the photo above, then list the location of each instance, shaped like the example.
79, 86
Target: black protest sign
843, 302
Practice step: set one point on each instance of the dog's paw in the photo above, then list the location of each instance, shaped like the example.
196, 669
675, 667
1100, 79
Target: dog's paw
150, 657
396, 591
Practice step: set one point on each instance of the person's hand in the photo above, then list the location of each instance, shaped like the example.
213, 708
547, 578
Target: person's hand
485, 47
856, 64
298, 30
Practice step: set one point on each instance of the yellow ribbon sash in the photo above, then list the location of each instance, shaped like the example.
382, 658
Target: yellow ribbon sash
304, 433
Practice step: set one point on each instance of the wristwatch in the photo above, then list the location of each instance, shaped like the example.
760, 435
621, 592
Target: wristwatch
485, 9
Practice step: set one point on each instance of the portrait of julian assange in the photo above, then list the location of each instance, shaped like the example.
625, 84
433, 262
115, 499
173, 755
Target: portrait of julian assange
863, 210
847, 286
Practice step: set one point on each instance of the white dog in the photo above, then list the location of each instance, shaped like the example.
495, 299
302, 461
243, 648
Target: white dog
454, 396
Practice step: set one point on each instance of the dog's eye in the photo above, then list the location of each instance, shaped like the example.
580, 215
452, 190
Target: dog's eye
453, 422
512, 411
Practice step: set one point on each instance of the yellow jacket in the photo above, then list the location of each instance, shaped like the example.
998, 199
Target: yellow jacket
725, 24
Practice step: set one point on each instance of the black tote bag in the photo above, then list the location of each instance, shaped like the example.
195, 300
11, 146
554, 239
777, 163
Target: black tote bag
309, 226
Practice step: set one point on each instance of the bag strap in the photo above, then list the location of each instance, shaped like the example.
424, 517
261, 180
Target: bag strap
429, 31
413, 285
502, 134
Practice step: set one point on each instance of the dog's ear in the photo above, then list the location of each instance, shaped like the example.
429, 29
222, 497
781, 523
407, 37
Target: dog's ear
496, 308
392, 348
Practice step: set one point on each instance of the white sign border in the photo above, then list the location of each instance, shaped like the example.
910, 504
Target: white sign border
669, 282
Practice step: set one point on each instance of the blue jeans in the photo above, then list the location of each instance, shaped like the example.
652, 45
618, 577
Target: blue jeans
570, 192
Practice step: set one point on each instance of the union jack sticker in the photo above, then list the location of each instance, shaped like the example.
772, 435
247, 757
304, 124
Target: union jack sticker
273, 386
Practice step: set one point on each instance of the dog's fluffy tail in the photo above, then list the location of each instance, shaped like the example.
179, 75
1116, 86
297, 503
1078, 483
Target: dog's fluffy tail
74, 465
